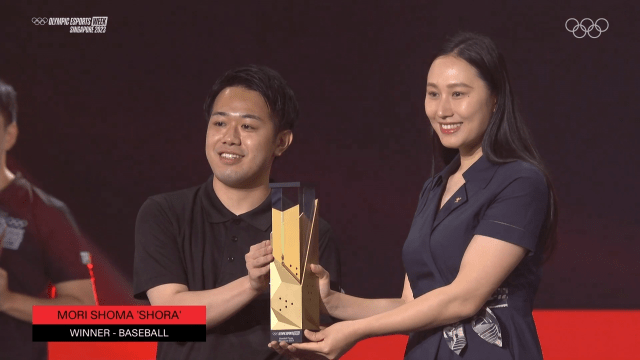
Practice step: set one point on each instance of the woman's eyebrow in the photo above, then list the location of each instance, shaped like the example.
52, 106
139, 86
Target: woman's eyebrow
451, 85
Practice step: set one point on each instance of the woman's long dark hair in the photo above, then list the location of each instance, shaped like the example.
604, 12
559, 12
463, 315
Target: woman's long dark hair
507, 137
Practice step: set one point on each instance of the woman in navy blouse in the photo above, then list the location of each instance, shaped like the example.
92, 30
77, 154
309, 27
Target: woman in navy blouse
481, 231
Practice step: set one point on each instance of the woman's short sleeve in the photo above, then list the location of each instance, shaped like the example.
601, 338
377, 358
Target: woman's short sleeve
518, 212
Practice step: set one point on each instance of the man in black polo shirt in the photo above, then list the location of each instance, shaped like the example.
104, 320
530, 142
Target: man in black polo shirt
39, 244
208, 245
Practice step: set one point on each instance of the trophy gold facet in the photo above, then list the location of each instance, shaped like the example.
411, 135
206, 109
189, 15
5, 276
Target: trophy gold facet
295, 295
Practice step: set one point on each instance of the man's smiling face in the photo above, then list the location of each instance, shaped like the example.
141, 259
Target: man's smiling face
241, 138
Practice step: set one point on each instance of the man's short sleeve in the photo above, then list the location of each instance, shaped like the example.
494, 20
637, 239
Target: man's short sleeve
157, 257
63, 242
518, 212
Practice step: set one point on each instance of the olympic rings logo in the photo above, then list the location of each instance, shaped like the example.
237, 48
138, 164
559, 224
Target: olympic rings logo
39, 21
585, 30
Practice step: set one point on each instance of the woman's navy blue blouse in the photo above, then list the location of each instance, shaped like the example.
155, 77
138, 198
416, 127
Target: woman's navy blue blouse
502, 201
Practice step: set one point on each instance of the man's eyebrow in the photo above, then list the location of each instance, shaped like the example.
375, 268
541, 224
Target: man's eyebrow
246, 116
250, 116
451, 85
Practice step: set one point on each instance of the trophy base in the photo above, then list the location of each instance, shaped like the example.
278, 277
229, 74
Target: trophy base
288, 336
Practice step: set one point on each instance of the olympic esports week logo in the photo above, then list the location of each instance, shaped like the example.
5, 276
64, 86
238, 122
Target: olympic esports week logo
579, 29
86, 25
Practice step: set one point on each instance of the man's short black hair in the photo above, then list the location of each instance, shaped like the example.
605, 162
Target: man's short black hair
8, 103
275, 91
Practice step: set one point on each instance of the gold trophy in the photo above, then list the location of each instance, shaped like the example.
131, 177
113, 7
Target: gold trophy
295, 295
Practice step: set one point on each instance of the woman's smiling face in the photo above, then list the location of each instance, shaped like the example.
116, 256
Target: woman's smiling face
458, 103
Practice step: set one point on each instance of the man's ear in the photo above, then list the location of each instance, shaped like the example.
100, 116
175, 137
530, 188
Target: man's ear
10, 136
283, 141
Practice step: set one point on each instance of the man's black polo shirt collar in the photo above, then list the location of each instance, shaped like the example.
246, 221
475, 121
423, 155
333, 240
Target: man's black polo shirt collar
260, 217
476, 177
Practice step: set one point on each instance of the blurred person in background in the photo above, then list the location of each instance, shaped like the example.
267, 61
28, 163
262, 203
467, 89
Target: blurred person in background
39, 244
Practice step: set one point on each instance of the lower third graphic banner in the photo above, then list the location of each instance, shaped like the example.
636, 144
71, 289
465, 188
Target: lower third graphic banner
119, 323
